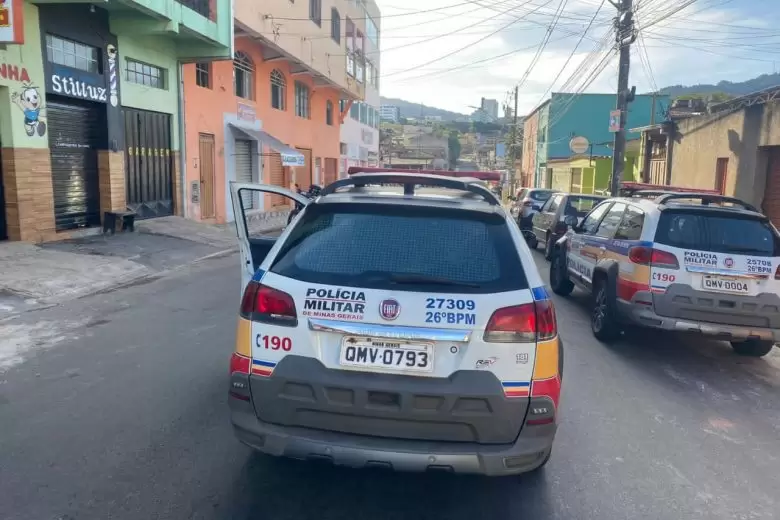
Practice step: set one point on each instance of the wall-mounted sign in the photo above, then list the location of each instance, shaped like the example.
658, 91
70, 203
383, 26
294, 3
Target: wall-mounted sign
614, 120
12, 21
13, 72
289, 159
75, 85
246, 112
579, 144
195, 192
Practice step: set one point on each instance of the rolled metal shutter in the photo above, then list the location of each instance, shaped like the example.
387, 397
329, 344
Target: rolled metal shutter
244, 170
76, 133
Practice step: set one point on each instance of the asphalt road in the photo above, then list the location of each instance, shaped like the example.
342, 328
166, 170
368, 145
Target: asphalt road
120, 413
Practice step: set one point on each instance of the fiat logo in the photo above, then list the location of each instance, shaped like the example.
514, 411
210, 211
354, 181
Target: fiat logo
389, 309
728, 262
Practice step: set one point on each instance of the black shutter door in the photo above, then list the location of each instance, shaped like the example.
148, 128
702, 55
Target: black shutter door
149, 163
76, 132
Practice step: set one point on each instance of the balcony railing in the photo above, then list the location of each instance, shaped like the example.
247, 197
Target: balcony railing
202, 7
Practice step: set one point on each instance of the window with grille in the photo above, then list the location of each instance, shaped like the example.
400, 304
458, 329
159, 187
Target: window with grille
302, 108
243, 75
144, 74
203, 74
72, 54
315, 11
335, 25
278, 90
329, 113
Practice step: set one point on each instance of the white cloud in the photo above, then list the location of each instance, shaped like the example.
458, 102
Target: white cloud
706, 42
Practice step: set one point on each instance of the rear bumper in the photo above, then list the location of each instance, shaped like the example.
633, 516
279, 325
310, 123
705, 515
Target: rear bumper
644, 315
463, 423
529, 451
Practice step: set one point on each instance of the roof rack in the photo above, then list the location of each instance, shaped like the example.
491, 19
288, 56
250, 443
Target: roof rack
642, 189
409, 181
705, 198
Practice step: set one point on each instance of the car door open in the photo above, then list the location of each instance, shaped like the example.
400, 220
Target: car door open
254, 244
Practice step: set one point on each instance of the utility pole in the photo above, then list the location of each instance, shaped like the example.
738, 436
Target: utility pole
514, 147
624, 36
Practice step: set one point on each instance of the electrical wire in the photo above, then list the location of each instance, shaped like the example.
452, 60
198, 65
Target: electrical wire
460, 49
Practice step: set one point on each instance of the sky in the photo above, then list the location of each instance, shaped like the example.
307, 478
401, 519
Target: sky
450, 53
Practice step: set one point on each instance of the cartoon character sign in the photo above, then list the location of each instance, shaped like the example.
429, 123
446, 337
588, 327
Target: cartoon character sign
30, 102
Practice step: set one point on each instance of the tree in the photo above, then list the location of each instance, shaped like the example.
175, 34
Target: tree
453, 148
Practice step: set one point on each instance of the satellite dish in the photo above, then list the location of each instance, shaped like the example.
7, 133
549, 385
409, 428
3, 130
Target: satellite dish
579, 144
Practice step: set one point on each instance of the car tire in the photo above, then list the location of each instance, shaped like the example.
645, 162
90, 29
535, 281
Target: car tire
559, 283
548, 247
752, 347
603, 319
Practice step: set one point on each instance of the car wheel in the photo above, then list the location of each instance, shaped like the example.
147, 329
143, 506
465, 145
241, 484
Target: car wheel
603, 322
559, 282
752, 347
548, 247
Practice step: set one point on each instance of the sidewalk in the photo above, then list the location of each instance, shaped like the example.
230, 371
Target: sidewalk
33, 276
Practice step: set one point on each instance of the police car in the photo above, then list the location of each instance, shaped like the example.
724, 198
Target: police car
398, 322
689, 262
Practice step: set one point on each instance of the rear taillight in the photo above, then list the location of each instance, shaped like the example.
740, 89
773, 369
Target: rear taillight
240, 364
644, 255
268, 305
777, 273
522, 323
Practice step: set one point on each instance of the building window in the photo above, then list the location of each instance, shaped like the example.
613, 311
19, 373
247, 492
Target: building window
144, 74
354, 111
72, 54
302, 100
244, 75
278, 90
329, 113
315, 11
335, 25
371, 31
203, 74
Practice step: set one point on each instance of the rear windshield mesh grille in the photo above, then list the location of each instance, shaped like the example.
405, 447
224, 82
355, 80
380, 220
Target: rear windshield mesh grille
365, 244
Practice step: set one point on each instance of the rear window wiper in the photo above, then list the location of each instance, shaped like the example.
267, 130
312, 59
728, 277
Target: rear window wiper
404, 279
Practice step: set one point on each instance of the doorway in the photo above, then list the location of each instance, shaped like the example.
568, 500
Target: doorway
148, 163
206, 155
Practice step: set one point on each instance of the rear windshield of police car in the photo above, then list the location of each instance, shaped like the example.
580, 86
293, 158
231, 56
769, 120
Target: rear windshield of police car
403, 248
716, 232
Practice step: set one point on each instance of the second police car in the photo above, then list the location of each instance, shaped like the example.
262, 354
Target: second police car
397, 326
688, 262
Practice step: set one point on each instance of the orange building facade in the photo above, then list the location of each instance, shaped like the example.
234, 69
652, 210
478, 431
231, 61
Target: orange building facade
267, 116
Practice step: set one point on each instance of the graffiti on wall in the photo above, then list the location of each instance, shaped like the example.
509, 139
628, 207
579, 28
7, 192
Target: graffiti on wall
30, 101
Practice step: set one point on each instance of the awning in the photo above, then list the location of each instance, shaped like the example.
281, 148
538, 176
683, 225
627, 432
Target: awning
290, 156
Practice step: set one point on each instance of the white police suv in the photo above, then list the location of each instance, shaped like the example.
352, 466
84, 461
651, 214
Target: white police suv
398, 322
687, 262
